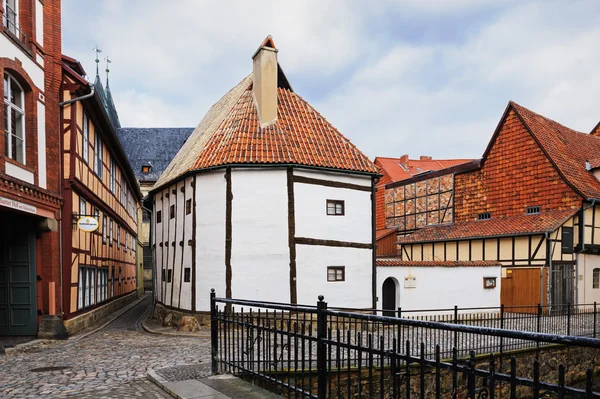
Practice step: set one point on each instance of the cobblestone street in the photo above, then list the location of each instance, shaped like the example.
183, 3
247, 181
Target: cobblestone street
110, 363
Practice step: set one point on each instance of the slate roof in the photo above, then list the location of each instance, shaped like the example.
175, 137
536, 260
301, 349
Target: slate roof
567, 149
397, 262
399, 169
230, 133
508, 226
155, 147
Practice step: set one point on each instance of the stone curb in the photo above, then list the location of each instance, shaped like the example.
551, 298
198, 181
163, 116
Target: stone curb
24, 345
149, 329
160, 382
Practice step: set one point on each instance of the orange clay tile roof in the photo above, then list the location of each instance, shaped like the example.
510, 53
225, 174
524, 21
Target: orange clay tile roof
566, 148
396, 262
397, 172
230, 133
509, 226
385, 232
594, 163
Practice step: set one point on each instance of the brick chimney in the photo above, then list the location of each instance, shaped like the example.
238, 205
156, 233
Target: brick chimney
264, 86
425, 158
404, 159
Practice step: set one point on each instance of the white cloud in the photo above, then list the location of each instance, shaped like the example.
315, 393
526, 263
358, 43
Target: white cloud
418, 77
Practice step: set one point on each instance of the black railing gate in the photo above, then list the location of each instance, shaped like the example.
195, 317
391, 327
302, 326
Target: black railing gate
321, 352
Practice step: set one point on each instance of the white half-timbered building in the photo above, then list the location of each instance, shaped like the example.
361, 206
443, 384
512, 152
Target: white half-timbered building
265, 200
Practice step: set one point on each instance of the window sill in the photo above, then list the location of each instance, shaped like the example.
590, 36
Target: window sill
17, 42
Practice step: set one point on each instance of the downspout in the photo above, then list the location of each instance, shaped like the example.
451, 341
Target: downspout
549, 263
374, 182
62, 176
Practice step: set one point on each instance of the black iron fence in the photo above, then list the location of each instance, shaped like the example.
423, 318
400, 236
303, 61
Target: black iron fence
316, 352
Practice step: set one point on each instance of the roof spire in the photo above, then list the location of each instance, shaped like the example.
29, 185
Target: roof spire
108, 61
98, 51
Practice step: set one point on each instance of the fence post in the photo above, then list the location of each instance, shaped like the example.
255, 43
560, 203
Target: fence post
539, 319
595, 319
501, 338
214, 342
321, 348
568, 319
456, 322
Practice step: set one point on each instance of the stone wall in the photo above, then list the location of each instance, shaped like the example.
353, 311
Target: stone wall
181, 320
78, 323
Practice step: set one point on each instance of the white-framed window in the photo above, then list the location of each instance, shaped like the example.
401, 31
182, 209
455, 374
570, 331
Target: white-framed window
85, 144
118, 237
81, 287
92, 285
104, 229
123, 190
102, 286
14, 119
86, 287
82, 207
113, 176
110, 237
11, 16
98, 155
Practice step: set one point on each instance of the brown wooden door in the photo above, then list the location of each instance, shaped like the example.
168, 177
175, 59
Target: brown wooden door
522, 287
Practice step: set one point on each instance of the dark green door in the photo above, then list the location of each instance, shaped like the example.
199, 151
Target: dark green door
18, 313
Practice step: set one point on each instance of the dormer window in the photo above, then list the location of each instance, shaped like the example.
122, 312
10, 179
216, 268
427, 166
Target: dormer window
533, 210
146, 169
484, 216
14, 119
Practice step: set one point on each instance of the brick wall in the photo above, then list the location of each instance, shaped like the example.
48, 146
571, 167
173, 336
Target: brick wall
380, 198
515, 175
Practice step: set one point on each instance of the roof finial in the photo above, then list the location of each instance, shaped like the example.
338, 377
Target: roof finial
108, 61
98, 51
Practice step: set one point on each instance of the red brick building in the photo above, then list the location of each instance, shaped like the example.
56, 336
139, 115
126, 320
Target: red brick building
530, 203
30, 199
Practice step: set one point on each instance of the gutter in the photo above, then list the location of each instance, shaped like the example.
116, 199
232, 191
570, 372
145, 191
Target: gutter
90, 94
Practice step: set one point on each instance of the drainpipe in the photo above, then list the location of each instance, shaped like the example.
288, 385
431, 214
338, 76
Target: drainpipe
582, 241
60, 163
549, 263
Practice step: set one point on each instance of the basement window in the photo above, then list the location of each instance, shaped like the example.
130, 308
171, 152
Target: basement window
484, 216
533, 210
187, 273
335, 208
336, 273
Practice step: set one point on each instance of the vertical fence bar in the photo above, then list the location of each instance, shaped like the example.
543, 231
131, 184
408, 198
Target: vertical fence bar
589, 382
561, 382
471, 375
407, 370
438, 387
321, 348
501, 338
513, 378
214, 341
568, 319
536, 379
492, 376
539, 320
422, 371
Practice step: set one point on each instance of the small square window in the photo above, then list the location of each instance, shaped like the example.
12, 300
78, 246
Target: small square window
187, 275
336, 273
158, 216
188, 207
489, 282
533, 210
335, 208
484, 216
172, 212
146, 169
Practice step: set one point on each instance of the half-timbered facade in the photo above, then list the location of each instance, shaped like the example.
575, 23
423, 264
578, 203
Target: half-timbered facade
532, 205
266, 199
98, 266
30, 199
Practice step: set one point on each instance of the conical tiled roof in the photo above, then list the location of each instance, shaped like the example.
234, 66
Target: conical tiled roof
230, 133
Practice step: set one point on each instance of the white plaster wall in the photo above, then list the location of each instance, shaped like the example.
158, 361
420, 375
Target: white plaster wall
158, 249
178, 230
260, 252
312, 220
442, 287
334, 176
41, 131
186, 287
311, 271
9, 50
210, 237
170, 225
18, 172
586, 293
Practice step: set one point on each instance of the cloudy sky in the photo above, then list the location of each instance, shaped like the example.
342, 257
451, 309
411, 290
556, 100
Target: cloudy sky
407, 76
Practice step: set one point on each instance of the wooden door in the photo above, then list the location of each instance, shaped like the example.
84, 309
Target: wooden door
522, 287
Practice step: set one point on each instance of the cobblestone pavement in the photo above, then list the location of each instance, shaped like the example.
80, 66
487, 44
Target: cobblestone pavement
111, 363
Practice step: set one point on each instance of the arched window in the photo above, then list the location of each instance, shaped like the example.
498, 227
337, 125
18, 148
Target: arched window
14, 119
596, 278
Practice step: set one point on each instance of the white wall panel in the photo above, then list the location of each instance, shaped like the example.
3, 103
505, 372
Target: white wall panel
10, 50
210, 237
260, 253
41, 133
311, 265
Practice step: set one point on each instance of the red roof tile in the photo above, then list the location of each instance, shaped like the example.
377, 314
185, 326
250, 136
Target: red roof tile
230, 133
566, 148
403, 168
594, 163
385, 232
513, 225
395, 262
